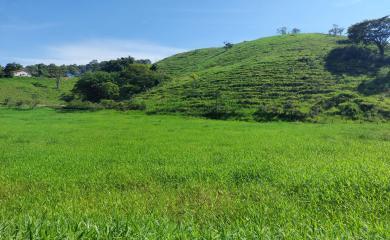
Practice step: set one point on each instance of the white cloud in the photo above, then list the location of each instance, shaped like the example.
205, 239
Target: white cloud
103, 49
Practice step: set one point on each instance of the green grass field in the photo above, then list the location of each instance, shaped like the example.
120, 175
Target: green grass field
113, 175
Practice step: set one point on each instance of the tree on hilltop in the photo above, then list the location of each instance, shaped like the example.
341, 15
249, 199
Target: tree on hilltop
282, 30
375, 31
228, 45
336, 30
296, 31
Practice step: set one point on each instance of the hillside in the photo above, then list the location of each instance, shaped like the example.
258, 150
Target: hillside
31, 91
289, 77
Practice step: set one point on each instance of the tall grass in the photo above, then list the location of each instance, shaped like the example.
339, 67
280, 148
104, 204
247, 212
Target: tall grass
110, 175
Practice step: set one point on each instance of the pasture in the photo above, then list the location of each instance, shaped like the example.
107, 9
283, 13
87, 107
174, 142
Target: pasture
113, 175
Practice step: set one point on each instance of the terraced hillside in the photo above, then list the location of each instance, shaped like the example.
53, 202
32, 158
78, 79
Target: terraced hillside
301, 76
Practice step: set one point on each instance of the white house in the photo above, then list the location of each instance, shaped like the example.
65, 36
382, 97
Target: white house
21, 73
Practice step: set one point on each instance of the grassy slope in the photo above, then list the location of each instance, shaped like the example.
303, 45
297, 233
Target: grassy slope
33, 89
268, 70
161, 177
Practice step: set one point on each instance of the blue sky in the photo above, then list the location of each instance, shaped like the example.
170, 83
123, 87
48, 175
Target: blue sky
77, 31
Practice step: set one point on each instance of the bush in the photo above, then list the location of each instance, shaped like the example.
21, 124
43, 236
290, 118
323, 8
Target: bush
221, 113
379, 85
68, 97
123, 106
350, 110
266, 113
289, 112
82, 105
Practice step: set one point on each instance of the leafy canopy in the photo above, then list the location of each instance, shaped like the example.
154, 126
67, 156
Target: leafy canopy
134, 79
375, 31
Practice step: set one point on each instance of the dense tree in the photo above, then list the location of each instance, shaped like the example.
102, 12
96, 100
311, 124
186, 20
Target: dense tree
92, 86
336, 30
33, 70
282, 31
143, 61
134, 79
12, 67
119, 64
73, 70
138, 78
57, 72
296, 31
93, 66
375, 31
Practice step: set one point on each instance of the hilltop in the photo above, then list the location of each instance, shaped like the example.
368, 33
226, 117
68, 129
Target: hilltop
292, 77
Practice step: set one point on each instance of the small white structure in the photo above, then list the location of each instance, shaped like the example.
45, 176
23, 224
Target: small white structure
21, 73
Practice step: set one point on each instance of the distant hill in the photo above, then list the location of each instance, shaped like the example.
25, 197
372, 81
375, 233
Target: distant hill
291, 77
32, 91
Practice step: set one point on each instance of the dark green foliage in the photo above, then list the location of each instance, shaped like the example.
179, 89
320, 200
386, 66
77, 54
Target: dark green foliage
222, 112
1, 71
42, 70
288, 112
137, 78
10, 68
379, 85
375, 31
349, 110
350, 106
154, 67
77, 105
115, 65
353, 60
122, 105
134, 79
95, 86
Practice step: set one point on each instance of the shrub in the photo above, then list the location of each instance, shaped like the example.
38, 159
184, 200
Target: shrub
349, 110
82, 105
221, 113
289, 113
266, 113
68, 97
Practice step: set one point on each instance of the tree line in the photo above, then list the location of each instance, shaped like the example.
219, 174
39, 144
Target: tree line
376, 31
52, 70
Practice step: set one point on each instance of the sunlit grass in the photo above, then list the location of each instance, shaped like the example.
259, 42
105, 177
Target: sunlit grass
128, 175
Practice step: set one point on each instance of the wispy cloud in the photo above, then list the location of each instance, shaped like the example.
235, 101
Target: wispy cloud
103, 49
26, 26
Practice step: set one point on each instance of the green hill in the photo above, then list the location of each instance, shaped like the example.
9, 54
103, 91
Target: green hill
290, 77
32, 91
